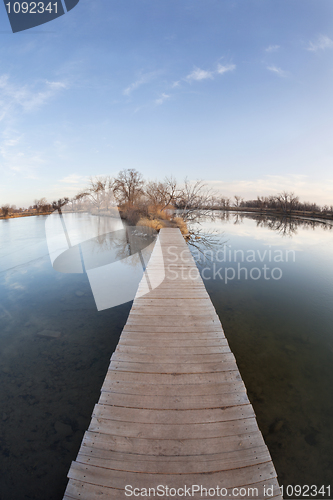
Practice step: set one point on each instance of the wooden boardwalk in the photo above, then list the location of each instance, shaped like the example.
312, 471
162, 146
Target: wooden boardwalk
173, 410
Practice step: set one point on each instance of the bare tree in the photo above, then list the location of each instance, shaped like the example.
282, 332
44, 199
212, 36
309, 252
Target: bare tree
76, 201
99, 193
161, 194
5, 210
193, 199
287, 201
224, 202
238, 201
108, 192
42, 205
128, 187
57, 205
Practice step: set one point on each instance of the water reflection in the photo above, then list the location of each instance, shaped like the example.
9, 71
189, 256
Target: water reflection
113, 255
55, 348
280, 331
285, 226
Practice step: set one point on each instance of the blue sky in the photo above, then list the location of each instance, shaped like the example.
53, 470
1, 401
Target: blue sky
238, 93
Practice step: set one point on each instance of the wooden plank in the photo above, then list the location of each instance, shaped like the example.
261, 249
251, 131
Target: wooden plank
177, 322
183, 313
204, 342
80, 490
173, 447
171, 339
171, 329
181, 303
177, 431
172, 293
221, 366
224, 461
250, 456
175, 378
137, 387
159, 358
180, 417
119, 479
174, 302
173, 351
174, 402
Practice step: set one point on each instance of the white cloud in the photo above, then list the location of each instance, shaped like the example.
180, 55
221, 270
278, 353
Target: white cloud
10, 142
224, 69
141, 81
164, 97
175, 84
322, 43
277, 71
73, 179
36, 100
272, 48
57, 85
200, 74
26, 97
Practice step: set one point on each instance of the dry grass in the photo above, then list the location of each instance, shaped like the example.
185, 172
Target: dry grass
161, 214
181, 224
153, 223
155, 212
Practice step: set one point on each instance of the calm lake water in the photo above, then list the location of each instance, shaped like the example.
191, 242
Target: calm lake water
55, 346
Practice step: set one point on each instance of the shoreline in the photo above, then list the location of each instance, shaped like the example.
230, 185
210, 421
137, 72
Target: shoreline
253, 211
17, 216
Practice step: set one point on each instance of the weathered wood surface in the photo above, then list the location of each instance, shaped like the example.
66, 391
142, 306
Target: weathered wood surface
173, 409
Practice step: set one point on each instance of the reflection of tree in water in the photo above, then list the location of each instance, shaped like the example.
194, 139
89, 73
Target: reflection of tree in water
210, 241
135, 240
283, 225
235, 217
125, 245
238, 218
288, 226
205, 243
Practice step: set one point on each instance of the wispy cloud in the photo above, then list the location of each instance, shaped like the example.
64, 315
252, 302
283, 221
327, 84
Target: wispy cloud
278, 71
201, 74
73, 179
224, 69
323, 42
37, 100
164, 97
17, 157
146, 78
16, 162
272, 48
26, 97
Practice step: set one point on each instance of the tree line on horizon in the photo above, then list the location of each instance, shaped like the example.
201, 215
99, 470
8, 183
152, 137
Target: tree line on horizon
137, 197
